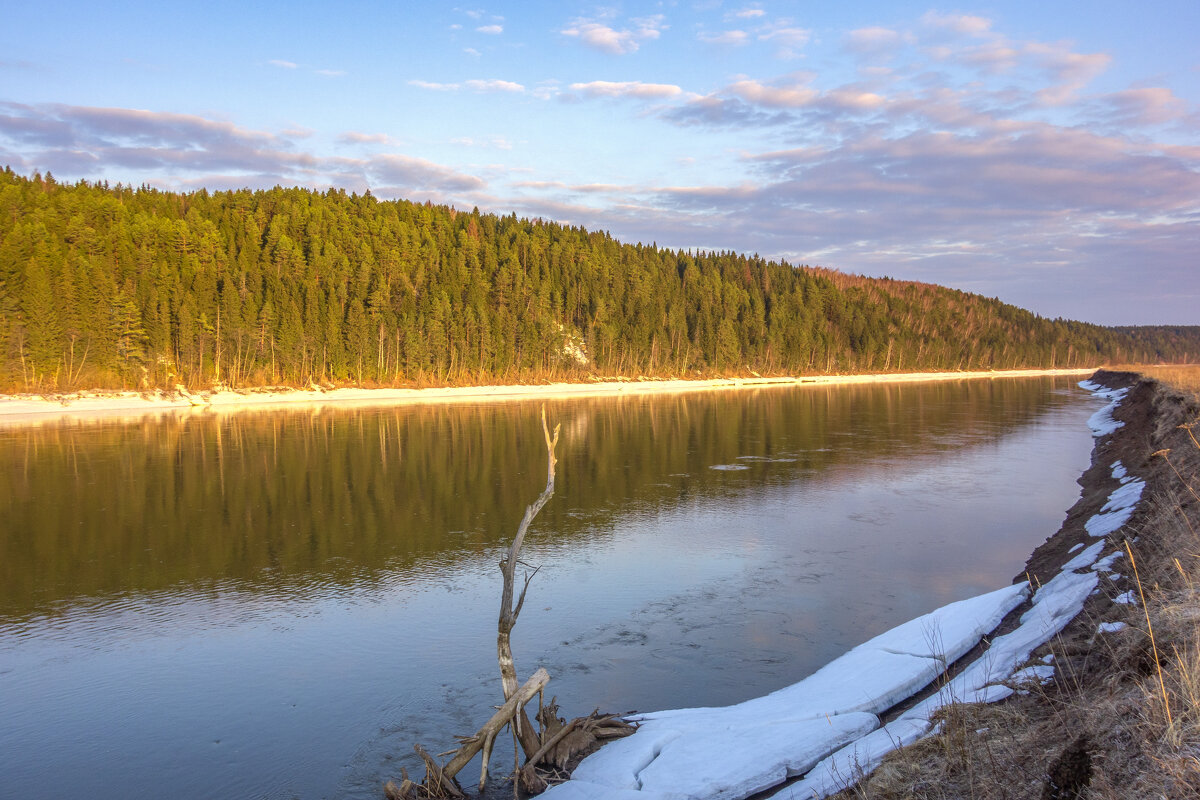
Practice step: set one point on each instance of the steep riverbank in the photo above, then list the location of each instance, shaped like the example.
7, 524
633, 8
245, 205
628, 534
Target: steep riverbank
1069, 648
34, 408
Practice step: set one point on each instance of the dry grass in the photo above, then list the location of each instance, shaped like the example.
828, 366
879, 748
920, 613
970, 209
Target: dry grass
1108, 727
1185, 378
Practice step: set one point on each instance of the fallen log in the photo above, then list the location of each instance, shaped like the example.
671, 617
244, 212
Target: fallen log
439, 780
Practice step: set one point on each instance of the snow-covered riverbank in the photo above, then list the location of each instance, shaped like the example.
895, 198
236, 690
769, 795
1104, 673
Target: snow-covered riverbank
827, 729
25, 409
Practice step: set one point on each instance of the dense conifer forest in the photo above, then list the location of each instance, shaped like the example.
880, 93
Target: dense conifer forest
106, 287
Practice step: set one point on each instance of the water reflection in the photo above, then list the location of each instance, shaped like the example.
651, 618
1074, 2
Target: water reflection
283, 602
276, 500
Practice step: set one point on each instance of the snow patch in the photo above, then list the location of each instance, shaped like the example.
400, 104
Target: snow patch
1117, 509
1111, 627
1102, 422
1037, 673
1126, 599
1085, 559
735, 751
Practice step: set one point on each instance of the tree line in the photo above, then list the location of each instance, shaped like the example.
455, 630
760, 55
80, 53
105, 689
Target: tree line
119, 286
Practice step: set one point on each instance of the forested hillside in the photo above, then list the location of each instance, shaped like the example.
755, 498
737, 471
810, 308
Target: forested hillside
115, 286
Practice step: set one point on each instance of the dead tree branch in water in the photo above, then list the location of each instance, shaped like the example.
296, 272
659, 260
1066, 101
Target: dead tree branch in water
561, 741
508, 614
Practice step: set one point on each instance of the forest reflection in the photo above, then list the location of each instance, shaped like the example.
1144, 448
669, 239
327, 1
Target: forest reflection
271, 501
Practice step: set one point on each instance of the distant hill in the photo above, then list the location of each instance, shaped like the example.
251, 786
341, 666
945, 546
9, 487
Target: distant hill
115, 286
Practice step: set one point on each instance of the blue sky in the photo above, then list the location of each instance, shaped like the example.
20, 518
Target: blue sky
1041, 152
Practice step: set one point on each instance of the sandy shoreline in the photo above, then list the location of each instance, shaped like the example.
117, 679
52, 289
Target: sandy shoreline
32, 409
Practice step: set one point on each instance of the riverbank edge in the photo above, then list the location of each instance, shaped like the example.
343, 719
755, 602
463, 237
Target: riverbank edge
1099, 728
1066, 666
35, 408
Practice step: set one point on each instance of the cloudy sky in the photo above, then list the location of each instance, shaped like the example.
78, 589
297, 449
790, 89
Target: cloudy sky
1046, 153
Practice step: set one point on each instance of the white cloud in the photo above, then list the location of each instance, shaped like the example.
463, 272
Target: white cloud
852, 100
1069, 71
734, 37
434, 87
493, 85
874, 39
626, 89
960, 24
773, 96
491, 30
1146, 106
475, 85
498, 142
275, 62
788, 39
749, 13
419, 174
606, 39
355, 137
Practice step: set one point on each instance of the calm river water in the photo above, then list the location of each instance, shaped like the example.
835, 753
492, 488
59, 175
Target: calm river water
279, 604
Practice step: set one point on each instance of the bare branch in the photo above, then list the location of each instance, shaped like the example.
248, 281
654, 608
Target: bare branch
508, 615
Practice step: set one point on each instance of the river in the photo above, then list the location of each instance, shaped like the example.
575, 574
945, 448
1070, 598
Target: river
278, 604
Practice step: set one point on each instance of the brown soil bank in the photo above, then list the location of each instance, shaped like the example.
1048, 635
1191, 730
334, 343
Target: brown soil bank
1121, 717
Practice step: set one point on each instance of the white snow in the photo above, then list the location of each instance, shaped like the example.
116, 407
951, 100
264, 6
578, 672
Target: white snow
1037, 673
1054, 605
1124, 496
825, 727
582, 790
1085, 559
1117, 510
1106, 564
1126, 599
1104, 524
1111, 627
848, 765
738, 750
736, 762
1075, 547
1102, 422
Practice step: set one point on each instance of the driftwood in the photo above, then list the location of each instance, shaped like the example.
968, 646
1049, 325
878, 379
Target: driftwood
565, 741
439, 780
559, 742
